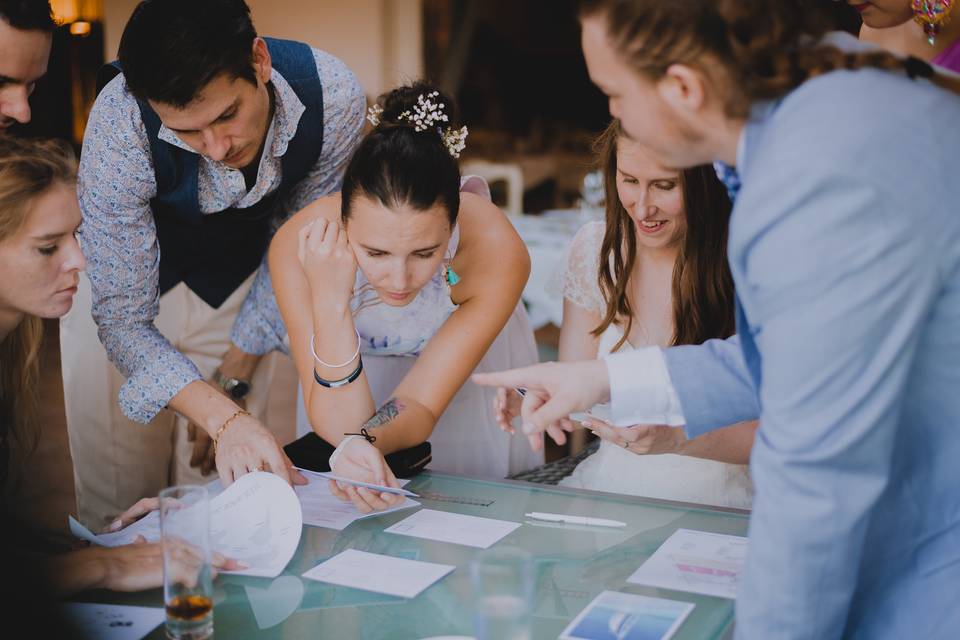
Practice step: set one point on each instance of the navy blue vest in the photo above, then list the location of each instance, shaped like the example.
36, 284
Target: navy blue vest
214, 253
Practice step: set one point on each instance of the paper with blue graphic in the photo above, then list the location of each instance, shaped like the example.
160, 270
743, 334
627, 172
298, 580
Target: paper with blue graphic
624, 616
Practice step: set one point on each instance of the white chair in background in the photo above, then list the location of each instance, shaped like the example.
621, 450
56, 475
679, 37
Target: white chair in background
493, 172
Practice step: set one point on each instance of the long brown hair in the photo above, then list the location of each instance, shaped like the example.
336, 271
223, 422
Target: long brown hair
702, 285
764, 48
27, 169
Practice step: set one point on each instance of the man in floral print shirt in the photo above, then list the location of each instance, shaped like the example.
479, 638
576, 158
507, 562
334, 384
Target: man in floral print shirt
207, 139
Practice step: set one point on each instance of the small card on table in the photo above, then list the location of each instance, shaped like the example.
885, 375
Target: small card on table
442, 526
378, 573
624, 616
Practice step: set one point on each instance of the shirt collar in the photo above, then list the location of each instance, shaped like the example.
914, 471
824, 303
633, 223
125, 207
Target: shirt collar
742, 145
286, 119
730, 175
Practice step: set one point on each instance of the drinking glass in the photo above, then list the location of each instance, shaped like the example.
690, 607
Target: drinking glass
503, 594
187, 571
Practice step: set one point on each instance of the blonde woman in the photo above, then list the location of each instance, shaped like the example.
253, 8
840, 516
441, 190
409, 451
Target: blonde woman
39, 222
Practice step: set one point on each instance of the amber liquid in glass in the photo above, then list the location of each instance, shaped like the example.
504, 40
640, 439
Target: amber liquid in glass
189, 608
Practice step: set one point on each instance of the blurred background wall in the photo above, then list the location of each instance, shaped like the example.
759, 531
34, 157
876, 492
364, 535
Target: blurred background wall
380, 40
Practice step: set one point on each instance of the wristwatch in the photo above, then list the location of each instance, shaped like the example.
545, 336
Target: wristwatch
234, 387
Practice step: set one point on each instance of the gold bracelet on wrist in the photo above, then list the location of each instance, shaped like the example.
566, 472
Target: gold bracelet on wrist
216, 438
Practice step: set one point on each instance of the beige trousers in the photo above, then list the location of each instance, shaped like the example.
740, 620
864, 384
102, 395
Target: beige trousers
117, 461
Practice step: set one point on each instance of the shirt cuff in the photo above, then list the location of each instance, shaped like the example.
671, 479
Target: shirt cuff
640, 389
149, 390
257, 336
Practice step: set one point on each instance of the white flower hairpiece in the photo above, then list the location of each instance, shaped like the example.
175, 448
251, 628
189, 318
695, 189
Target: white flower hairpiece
455, 140
373, 114
427, 114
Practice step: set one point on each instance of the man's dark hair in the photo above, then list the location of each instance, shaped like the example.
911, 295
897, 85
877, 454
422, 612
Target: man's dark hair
171, 49
28, 15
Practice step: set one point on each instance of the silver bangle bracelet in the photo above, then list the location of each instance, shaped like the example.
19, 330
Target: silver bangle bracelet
313, 351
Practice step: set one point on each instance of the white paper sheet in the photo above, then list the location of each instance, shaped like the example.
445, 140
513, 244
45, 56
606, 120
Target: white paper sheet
696, 561
378, 573
148, 526
457, 528
256, 520
112, 621
368, 485
322, 509
631, 617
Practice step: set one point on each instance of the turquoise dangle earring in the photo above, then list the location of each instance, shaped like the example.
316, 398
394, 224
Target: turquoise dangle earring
450, 275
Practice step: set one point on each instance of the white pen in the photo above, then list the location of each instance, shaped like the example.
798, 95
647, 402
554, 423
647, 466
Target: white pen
559, 517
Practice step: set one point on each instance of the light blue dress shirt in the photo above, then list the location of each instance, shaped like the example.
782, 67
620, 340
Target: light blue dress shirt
845, 250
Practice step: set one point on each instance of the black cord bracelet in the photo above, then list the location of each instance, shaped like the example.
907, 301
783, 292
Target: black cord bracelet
342, 382
365, 435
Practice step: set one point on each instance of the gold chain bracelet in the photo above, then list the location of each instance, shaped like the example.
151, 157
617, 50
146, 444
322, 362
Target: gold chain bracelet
216, 438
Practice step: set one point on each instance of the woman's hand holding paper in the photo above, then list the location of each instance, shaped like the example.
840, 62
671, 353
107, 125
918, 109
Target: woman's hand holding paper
360, 460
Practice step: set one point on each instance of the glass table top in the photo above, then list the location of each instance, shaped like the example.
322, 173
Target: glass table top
572, 565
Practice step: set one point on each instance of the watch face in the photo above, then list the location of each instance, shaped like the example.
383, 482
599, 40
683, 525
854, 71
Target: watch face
239, 389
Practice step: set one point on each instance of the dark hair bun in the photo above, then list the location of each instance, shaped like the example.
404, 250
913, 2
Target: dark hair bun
402, 105
408, 158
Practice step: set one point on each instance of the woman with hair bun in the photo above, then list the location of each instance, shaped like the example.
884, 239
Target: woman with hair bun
394, 291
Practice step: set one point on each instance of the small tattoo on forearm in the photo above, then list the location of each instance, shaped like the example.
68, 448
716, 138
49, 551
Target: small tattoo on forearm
390, 410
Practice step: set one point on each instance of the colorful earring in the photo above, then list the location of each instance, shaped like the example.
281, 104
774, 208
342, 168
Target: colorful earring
451, 275
931, 15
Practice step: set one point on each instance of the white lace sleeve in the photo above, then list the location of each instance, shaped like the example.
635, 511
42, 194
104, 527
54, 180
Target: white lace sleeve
576, 277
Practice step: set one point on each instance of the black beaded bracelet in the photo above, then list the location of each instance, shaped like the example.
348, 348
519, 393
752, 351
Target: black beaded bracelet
342, 382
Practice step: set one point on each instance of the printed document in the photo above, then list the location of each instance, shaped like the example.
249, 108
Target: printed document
322, 509
256, 520
695, 561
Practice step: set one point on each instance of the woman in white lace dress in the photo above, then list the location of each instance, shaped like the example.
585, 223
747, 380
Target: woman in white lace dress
664, 281
393, 292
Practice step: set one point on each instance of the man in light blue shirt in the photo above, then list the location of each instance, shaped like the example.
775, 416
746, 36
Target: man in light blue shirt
845, 250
